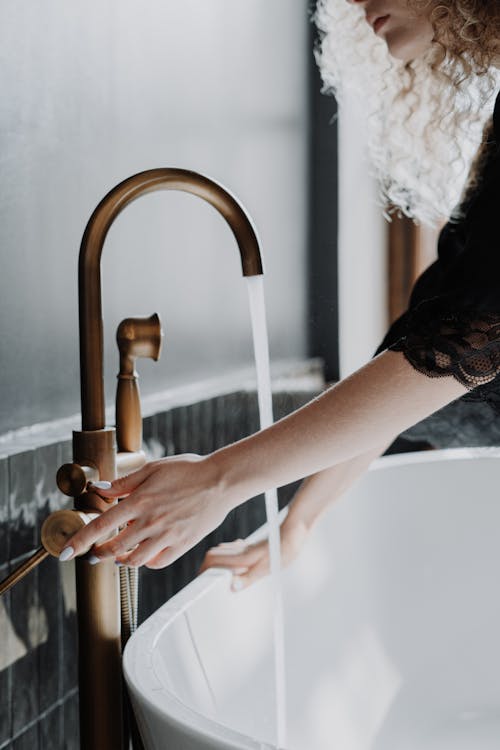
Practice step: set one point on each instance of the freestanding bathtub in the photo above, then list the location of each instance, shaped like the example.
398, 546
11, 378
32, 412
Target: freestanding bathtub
392, 626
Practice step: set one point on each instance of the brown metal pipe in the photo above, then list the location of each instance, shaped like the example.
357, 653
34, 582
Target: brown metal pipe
98, 606
127, 462
91, 333
23, 570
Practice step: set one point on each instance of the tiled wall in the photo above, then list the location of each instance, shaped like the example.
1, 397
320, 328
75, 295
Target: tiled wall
38, 676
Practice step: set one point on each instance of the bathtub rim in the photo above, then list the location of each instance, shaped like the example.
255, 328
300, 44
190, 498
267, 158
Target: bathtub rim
193, 722
436, 454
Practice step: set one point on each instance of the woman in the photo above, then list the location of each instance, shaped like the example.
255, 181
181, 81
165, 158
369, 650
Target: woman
438, 364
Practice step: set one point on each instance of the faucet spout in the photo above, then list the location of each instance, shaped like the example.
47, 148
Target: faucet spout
91, 333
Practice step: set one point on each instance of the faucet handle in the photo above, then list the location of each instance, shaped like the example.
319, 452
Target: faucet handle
72, 478
57, 528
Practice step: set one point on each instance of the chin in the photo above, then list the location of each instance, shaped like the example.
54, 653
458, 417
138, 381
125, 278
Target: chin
407, 46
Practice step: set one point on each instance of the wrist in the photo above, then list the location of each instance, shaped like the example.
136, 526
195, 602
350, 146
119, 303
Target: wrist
232, 476
221, 480
293, 534
294, 524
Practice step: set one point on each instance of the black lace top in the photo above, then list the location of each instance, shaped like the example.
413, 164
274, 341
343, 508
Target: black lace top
452, 325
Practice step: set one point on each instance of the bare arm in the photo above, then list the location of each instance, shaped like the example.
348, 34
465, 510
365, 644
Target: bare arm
363, 411
177, 501
320, 490
249, 561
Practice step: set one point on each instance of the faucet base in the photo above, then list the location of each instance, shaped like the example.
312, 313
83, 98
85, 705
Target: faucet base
98, 608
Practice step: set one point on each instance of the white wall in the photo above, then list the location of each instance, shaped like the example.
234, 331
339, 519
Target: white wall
95, 91
363, 316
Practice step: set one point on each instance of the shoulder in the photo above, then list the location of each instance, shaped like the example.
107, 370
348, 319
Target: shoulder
478, 206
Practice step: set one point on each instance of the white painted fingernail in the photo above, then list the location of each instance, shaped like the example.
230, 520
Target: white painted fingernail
93, 560
237, 584
102, 485
240, 571
66, 554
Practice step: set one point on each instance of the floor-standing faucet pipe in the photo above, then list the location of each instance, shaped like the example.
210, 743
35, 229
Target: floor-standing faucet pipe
91, 333
100, 679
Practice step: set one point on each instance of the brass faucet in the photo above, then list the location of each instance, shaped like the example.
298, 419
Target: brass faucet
102, 452
91, 338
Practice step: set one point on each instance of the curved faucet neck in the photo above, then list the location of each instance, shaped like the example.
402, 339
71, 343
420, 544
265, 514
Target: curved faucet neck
89, 277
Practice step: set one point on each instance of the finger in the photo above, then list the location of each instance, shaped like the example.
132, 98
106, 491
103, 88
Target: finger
229, 548
98, 528
236, 566
145, 551
234, 543
122, 543
215, 557
166, 557
214, 560
241, 582
124, 485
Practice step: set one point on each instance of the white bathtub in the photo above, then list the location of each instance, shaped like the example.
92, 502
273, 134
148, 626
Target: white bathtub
392, 626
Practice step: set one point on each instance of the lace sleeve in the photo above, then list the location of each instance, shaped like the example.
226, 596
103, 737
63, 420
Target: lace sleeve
464, 344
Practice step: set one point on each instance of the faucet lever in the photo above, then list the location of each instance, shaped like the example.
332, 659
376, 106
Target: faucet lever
23, 570
72, 479
57, 528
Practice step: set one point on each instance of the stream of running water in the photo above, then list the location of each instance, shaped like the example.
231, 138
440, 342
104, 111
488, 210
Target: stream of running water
261, 350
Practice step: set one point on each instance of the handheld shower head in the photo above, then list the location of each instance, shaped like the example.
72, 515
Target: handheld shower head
138, 337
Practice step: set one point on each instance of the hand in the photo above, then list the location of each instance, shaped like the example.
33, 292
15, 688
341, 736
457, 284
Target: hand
170, 505
250, 561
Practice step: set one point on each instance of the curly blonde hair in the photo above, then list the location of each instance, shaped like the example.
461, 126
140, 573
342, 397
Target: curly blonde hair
428, 120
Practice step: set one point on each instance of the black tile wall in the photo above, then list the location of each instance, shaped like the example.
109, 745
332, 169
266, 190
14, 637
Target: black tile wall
50, 648
22, 504
180, 428
165, 432
150, 433
38, 678
6, 693
253, 422
71, 724
51, 729
50, 605
68, 665
204, 427
25, 619
66, 451
4, 511
27, 740
6, 671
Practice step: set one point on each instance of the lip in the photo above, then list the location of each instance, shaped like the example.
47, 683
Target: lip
379, 22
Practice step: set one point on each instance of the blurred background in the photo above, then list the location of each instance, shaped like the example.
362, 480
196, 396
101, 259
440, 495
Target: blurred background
96, 92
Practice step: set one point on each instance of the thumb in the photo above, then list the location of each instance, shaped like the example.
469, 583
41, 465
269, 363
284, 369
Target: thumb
124, 485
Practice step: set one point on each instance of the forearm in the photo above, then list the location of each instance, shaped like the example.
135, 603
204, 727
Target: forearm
365, 410
320, 490
171, 504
